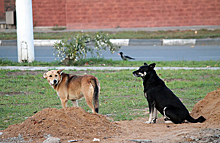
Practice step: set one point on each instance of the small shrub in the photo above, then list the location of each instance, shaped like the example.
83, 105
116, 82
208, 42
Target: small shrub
76, 48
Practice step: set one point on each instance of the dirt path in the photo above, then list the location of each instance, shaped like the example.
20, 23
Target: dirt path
161, 132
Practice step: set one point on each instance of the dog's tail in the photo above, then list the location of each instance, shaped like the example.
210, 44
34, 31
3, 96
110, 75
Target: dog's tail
192, 120
96, 86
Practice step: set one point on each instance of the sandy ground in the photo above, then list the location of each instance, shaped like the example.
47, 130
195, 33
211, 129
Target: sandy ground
76, 124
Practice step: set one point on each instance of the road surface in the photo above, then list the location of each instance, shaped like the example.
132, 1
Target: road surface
140, 53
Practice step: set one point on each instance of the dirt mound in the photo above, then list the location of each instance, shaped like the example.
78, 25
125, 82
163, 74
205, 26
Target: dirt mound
76, 124
71, 124
209, 107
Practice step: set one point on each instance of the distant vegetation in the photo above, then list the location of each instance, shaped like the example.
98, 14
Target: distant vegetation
171, 34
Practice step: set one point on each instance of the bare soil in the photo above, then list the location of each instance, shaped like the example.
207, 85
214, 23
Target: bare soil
76, 124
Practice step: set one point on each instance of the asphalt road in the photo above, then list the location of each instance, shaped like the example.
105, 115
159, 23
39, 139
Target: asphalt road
140, 53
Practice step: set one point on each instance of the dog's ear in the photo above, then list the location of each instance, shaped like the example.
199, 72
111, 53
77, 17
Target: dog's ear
45, 75
152, 65
145, 64
60, 71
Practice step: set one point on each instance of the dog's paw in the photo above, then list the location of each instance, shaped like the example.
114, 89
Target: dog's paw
168, 122
148, 122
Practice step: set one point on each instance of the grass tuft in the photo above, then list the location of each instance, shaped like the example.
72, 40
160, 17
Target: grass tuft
108, 62
170, 34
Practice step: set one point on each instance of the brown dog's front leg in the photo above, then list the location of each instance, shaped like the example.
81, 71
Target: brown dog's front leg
64, 103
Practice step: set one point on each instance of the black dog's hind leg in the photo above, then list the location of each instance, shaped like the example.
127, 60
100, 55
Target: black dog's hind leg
166, 119
171, 114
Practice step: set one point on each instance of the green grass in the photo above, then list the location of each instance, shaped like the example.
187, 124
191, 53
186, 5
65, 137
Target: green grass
24, 92
5, 62
186, 34
100, 61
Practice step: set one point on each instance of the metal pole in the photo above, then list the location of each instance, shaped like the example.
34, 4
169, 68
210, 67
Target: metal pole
25, 38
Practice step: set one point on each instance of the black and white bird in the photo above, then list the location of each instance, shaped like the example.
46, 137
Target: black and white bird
125, 57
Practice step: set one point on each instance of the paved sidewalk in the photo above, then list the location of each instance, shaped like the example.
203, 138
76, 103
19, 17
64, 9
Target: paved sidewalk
49, 29
102, 68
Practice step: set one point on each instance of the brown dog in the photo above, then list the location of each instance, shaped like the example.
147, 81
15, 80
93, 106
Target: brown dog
73, 87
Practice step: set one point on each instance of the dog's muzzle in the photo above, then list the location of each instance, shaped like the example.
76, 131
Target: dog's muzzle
135, 73
54, 82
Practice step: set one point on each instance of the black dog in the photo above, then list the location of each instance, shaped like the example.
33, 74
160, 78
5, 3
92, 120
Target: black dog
161, 98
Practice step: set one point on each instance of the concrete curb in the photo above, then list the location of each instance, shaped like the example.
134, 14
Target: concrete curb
102, 68
8, 42
177, 42
145, 42
130, 42
120, 42
45, 42
208, 41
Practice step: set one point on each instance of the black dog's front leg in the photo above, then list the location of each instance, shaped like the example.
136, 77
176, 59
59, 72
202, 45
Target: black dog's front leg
152, 110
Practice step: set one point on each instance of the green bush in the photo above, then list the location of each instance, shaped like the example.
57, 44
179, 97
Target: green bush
75, 48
